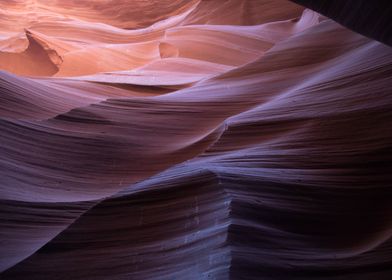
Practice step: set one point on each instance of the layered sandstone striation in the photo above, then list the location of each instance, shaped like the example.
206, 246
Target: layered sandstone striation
230, 139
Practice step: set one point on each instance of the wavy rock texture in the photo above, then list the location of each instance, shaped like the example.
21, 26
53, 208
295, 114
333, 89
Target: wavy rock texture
172, 139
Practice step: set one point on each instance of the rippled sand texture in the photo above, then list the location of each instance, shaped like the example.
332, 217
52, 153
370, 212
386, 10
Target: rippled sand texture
179, 139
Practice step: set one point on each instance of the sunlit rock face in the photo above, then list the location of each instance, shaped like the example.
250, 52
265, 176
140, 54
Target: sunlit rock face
192, 139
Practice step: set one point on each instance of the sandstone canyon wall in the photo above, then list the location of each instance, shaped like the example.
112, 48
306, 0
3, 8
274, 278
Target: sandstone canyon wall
176, 139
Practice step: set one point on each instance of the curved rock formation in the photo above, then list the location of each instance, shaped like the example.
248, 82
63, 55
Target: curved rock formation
370, 18
231, 139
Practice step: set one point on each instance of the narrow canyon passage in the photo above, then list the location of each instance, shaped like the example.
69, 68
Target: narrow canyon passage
195, 139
